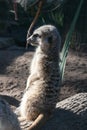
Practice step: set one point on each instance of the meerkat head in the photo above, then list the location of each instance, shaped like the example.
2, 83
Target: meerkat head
47, 37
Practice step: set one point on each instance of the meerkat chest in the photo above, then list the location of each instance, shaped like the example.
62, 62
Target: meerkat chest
36, 63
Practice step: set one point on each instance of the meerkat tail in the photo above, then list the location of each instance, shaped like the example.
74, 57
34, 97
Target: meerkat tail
11, 100
39, 122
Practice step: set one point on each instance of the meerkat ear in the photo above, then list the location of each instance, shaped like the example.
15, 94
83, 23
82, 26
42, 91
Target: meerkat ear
50, 39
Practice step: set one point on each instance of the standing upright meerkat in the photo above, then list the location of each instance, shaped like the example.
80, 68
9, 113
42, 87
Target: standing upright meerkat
43, 84
8, 120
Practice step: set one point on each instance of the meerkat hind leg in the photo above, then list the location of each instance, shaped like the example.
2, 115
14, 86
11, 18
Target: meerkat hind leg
40, 121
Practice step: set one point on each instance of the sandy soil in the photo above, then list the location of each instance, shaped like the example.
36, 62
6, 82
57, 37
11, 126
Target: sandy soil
14, 70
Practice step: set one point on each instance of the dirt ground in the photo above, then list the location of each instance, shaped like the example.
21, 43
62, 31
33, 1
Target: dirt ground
14, 70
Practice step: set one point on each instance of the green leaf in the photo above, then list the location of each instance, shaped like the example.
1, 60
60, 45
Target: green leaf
67, 42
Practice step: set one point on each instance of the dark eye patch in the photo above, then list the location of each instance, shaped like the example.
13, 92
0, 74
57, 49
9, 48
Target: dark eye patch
36, 35
50, 39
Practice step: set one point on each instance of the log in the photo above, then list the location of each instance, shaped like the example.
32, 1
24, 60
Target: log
70, 114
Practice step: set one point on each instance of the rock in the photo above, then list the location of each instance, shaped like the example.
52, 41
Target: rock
70, 114
8, 120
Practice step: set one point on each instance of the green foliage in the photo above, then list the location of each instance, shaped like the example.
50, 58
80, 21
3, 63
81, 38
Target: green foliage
54, 17
67, 41
57, 17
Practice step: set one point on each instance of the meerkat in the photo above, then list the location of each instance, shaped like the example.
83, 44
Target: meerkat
8, 120
43, 84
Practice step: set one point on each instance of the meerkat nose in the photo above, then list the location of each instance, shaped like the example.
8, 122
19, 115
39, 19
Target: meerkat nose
29, 39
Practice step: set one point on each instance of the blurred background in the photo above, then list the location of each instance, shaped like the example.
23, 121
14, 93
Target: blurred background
17, 15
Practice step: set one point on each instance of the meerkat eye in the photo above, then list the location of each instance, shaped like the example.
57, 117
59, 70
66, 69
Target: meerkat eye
36, 35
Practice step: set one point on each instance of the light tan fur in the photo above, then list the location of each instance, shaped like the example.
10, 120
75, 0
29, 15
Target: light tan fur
43, 84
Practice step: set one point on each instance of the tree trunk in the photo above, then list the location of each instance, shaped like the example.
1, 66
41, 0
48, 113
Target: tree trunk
70, 114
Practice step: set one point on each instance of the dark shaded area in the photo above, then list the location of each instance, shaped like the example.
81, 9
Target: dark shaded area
79, 37
11, 100
67, 120
62, 17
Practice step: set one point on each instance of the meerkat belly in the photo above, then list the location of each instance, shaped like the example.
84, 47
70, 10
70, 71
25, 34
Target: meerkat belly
32, 101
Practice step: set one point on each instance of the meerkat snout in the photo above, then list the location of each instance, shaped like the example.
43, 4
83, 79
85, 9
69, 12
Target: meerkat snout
34, 39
